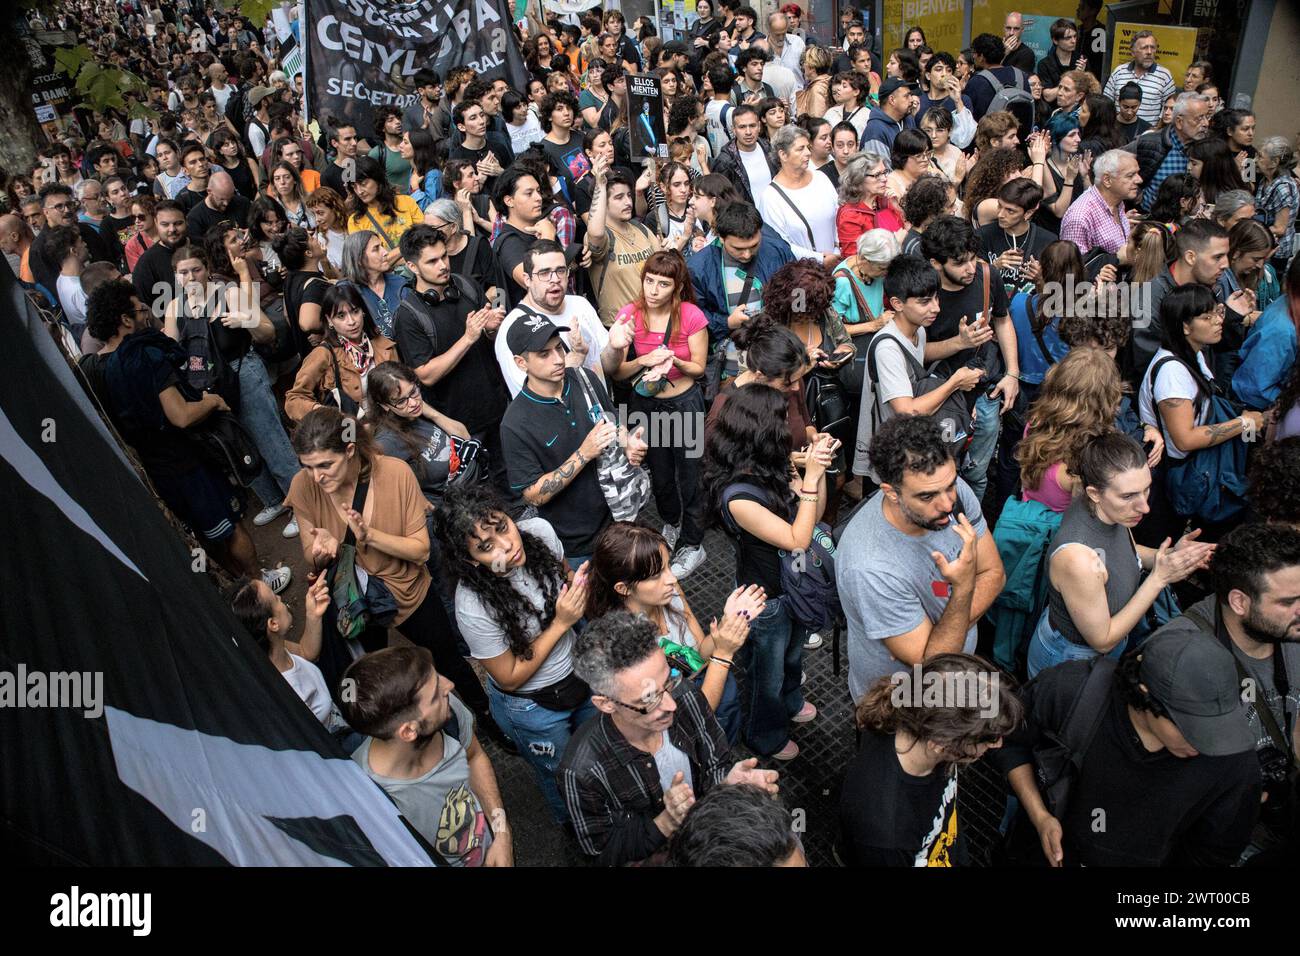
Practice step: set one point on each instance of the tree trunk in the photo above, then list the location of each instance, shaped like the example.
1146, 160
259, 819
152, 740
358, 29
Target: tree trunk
17, 117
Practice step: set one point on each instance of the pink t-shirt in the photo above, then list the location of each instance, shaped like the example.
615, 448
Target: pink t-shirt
1050, 494
646, 341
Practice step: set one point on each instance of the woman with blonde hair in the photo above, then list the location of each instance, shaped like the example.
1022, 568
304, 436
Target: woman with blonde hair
286, 185
815, 98
1079, 399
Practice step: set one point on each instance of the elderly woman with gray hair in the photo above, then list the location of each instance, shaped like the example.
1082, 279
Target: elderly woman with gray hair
799, 204
865, 203
471, 254
1232, 207
1277, 196
860, 296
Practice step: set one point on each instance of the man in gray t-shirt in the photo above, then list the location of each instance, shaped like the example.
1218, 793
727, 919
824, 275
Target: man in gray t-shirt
896, 594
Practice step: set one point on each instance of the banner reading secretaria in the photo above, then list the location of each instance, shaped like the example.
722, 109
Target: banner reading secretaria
365, 53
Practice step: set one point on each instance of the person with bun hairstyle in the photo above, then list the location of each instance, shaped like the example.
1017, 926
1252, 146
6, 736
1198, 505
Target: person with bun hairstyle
1097, 598
775, 357
898, 806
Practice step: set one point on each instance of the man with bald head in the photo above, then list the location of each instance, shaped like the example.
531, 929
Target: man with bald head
220, 204
15, 242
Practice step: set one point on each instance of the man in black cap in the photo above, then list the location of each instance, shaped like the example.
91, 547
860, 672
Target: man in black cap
552, 436
1169, 775
898, 103
1255, 613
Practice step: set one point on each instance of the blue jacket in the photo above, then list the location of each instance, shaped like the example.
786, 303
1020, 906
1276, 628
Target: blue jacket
881, 130
705, 268
1267, 357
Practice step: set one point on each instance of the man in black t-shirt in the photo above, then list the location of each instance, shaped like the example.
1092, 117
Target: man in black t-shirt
552, 437
153, 276
973, 311
194, 160
444, 332
343, 140
490, 158
221, 205
1013, 244
559, 111
518, 195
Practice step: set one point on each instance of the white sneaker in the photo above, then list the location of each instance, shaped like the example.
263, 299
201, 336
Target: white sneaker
803, 678
291, 529
813, 642
267, 515
687, 560
671, 533
277, 579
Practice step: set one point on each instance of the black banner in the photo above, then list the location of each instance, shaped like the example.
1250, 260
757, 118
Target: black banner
645, 116
365, 53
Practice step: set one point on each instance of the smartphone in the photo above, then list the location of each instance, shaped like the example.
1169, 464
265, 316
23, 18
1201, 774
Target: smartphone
837, 360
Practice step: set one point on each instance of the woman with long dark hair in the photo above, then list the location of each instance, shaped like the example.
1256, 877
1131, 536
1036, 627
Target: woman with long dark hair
426, 156
266, 223
304, 287
750, 444
774, 357
898, 805
242, 168
631, 571
375, 206
1177, 199
670, 335
1211, 162
1101, 132
517, 602
349, 493
334, 373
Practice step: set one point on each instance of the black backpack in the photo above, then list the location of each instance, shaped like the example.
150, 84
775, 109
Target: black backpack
1058, 760
954, 415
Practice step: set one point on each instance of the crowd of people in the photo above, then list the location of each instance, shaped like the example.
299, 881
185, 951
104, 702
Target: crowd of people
988, 362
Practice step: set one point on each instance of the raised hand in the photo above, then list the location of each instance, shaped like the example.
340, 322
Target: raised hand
974, 334
746, 771
729, 635
747, 602
961, 570
317, 601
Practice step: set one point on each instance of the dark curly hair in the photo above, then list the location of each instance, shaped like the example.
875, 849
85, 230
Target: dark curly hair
799, 289
750, 441
1100, 331
464, 510
927, 199
1250, 551
988, 174
1274, 490
108, 304
908, 443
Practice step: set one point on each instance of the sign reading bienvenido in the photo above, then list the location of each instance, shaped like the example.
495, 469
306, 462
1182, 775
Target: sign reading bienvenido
645, 117
365, 53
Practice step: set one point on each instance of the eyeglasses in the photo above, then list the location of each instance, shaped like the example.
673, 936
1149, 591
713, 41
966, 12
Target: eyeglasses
408, 399
561, 273
651, 705
139, 217
879, 174
63, 206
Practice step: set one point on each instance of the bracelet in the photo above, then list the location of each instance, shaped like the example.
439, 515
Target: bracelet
720, 660
807, 492
812, 498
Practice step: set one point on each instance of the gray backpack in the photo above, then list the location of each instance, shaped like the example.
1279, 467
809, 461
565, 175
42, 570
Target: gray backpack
1012, 98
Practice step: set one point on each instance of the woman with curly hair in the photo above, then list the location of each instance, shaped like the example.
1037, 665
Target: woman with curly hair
993, 170
1177, 199
750, 444
799, 297
898, 805
516, 604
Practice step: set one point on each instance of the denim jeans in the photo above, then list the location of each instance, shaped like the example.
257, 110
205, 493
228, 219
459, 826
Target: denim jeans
541, 736
988, 421
728, 712
1048, 647
260, 414
773, 657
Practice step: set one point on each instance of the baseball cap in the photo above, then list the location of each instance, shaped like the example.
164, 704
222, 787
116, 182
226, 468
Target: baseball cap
894, 83
1195, 678
530, 333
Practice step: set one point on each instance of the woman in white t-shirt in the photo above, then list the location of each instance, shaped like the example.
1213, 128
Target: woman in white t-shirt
799, 205
516, 604
850, 91
1176, 391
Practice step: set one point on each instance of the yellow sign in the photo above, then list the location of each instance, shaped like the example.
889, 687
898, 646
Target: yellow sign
1175, 47
989, 16
940, 19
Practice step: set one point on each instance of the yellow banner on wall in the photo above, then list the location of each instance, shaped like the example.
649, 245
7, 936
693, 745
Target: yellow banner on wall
940, 19
1175, 47
989, 16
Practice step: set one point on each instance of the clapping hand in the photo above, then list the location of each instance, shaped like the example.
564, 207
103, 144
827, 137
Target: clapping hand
324, 548
746, 771
747, 602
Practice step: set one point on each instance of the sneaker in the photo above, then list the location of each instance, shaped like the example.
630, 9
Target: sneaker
806, 713
687, 560
813, 642
803, 678
291, 530
277, 579
671, 533
267, 515
788, 752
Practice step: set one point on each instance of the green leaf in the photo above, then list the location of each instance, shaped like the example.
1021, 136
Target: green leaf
258, 10
71, 58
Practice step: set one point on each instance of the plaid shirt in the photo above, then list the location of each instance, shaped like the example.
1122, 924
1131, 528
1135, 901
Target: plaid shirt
612, 789
1272, 198
1175, 161
1090, 224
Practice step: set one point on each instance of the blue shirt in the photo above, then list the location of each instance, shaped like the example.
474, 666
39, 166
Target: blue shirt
1033, 364
1267, 357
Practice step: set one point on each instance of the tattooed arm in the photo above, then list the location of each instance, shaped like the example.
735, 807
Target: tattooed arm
1179, 416
549, 485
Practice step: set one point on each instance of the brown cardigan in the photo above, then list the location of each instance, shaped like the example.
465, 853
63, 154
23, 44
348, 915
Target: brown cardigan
815, 98
316, 376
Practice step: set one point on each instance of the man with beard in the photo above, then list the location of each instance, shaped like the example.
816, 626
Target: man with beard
1255, 612
918, 566
421, 749
631, 773
152, 276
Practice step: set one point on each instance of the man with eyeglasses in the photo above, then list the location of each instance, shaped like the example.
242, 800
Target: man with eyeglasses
631, 773
444, 332
547, 271
59, 206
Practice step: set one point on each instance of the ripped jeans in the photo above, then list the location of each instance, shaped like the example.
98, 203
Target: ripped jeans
541, 736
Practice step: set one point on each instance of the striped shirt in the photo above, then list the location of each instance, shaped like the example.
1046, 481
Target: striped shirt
613, 790
1089, 223
1157, 84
